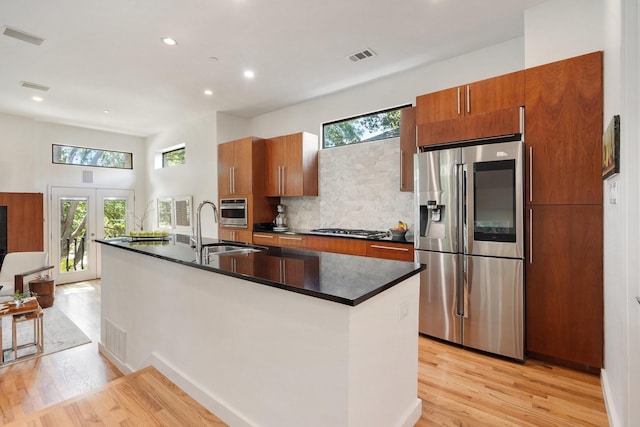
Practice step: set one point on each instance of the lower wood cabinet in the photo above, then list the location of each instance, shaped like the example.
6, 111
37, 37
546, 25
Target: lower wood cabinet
564, 293
390, 250
235, 234
377, 249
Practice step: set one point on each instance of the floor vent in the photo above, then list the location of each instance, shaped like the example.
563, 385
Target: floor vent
362, 55
115, 340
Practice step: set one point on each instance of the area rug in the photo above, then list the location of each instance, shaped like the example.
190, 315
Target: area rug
60, 333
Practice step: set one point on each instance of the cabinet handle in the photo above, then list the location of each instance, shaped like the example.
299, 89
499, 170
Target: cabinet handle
264, 236
290, 238
530, 236
391, 248
283, 271
468, 99
458, 100
233, 235
530, 174
231, 180
401, 170
283, 181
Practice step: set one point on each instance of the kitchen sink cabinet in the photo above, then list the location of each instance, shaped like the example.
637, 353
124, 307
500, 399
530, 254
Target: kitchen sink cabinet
235, 234
408, 147
476, 110
292, 165
390, 250
235, 166
294, 271
564, 294
563, 122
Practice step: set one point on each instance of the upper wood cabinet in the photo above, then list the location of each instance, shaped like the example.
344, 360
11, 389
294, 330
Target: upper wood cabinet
25, 221
292, 165
236, 164
563, 122
476, 110
408, 147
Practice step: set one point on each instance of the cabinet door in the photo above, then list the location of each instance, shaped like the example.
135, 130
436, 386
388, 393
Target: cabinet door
438, 106
273, 174
497, 93
267, 239
337, 245
292, 241
407, 147
235, 235
564, 291
291, 159
563, 121
225, 168
390, 250
242, 166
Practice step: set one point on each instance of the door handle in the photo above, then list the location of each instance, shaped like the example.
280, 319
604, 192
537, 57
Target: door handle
530, 236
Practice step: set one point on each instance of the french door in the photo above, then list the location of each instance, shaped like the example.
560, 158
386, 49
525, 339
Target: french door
78, 217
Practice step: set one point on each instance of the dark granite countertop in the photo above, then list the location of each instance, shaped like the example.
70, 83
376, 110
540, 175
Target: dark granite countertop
345, 279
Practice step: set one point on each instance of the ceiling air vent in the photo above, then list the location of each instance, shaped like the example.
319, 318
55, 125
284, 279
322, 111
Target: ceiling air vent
362, 55
21, 35
35, 86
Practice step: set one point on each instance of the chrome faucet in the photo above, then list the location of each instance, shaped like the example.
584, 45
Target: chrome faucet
199, 227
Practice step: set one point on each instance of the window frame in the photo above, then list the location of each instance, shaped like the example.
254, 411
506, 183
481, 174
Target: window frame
57, 162
357, 117
181, 147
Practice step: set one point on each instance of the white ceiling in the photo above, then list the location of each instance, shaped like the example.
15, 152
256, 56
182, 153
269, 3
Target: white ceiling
107, 55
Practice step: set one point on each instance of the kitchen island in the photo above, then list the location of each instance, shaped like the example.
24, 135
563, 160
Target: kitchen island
279, 337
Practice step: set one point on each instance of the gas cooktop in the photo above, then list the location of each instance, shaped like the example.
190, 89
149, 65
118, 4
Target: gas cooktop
365, 234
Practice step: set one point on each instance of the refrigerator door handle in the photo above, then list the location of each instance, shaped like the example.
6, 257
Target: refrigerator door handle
463, 212
466, 277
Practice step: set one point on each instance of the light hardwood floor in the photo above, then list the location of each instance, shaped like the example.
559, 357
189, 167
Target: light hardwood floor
458, 387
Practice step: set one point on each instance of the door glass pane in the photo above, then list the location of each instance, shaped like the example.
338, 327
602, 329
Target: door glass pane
495, 201
73, 231
115, 217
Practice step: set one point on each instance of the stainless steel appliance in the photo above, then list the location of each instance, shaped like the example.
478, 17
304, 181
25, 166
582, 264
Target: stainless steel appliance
362, 234
233, 212
280, 223
469, 211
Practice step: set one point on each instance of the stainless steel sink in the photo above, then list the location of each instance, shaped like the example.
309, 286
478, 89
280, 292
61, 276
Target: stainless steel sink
228, 249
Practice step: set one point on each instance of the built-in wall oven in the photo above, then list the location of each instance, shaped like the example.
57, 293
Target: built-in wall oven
234, 212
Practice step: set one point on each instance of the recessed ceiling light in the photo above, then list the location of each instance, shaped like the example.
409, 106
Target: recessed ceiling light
249, 74
208, 92
37, 98
169, 41
106, 111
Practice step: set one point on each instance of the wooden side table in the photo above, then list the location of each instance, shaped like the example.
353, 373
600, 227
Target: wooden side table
44, 290
9, 308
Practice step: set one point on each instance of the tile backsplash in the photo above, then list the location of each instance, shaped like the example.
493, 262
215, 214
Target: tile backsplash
359, 188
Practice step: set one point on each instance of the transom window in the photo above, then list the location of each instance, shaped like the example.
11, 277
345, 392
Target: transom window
174, 157
83, 156
363, 128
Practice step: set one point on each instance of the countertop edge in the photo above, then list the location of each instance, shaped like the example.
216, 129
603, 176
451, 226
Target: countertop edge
303, 291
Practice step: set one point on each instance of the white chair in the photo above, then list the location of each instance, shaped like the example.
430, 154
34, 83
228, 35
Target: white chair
18, 265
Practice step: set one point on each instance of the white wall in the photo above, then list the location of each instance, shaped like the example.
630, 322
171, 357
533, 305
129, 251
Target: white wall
621, 376
559, 29
198, 177
25, 164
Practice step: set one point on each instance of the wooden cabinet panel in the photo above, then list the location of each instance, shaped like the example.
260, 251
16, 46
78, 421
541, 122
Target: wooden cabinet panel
241, 264
494, 94
235, 234
438, 106
478, 126
235, 167
564, 294
292, 241
337, 245
292, 165
390, 250
268, 239
25, 221
563, 121
471, 111
408, 147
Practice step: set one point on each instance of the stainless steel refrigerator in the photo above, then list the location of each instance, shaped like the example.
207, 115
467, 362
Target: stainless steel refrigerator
469, 233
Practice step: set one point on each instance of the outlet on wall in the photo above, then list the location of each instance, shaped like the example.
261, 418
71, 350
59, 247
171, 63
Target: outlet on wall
613, 192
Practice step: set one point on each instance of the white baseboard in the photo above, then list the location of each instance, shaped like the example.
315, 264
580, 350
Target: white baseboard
614, 419
113, 359
413, 415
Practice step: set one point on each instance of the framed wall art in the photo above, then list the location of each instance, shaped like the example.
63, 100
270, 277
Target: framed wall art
611, 148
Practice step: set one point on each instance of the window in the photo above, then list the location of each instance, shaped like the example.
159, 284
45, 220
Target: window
173, 157
364, 128
174, 213
82, 156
